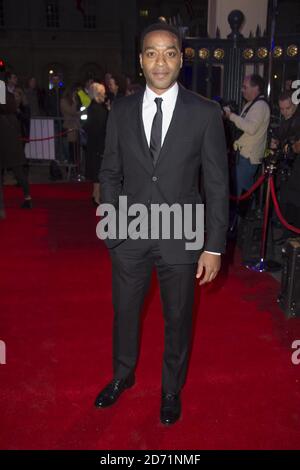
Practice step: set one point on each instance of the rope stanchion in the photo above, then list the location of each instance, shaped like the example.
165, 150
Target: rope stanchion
265, 265
250, 191
40, 139
278, 211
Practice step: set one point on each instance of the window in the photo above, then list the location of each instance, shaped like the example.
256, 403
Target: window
1, 13
89, 17
144, 13
52, 14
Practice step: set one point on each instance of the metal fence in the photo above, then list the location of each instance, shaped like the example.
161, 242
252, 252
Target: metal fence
50, 141
215, 67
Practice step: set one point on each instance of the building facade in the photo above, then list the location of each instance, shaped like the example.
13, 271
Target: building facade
72, 38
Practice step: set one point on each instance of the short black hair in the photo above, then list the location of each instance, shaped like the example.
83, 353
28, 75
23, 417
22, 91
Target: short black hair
257, 80
120, 81
161, 27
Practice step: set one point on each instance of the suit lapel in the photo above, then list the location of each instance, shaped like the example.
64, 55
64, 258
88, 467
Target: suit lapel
148, 162
176, 124
138, 136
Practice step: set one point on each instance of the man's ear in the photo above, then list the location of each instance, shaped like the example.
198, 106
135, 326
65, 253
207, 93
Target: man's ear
181, 60
141, 60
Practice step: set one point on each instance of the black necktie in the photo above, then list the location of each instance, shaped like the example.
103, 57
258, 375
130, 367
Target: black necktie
156, 131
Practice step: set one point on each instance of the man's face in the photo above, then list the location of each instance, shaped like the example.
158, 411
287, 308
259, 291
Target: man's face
107, 76
32, 83
287, 108
112, 86
99, 93
161, 60
249, 92
13, 80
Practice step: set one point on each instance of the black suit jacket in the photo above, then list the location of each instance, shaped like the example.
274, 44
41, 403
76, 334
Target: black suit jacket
194, 144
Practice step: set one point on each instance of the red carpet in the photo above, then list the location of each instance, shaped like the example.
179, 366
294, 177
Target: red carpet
242, 390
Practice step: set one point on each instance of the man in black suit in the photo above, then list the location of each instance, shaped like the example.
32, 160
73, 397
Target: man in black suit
158, 141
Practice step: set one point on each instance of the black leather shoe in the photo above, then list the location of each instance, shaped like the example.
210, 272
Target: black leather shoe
109, 395
170, 408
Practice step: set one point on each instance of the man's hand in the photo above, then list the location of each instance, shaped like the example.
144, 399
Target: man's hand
227, 111
208, 264
296, 146
108, 105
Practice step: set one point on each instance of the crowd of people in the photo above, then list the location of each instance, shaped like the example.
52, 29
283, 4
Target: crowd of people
249, 134
65, 105
255, 137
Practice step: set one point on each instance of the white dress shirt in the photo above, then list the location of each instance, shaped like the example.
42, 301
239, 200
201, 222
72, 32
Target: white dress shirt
169, 98
149, 109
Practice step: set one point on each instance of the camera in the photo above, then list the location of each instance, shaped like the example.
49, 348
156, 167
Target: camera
231, 105
282, 157
227, 104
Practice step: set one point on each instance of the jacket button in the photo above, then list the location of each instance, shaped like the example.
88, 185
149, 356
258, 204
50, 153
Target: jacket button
154, 178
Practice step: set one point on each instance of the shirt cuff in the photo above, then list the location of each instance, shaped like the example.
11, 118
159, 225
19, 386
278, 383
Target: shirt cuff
212, 252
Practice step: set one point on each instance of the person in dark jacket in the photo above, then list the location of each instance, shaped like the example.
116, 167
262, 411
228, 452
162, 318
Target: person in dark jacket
116, 88
35, 97
95, 127
287, 137
23, 113
11, 149
69, 106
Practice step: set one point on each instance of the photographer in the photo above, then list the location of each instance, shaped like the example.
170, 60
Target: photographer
287, 139
252, 135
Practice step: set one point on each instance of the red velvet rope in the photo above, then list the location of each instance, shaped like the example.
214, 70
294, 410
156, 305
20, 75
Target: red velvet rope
46, 138
250, 191
278, 211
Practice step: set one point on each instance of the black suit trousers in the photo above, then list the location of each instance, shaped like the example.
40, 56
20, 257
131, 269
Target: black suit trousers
132, 265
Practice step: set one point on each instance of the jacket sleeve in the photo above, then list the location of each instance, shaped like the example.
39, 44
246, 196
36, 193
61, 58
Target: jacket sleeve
253, 119
216, 183
111, 172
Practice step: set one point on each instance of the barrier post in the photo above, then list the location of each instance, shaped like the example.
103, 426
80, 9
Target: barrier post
80, 160
263, 265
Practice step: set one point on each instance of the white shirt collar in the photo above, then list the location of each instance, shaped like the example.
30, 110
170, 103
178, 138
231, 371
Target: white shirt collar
168, 96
